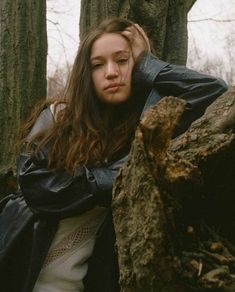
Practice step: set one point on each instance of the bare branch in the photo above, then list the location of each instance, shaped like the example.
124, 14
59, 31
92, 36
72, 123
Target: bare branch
211, 19
53, 22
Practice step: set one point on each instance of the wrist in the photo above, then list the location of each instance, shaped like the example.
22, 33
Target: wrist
146, 69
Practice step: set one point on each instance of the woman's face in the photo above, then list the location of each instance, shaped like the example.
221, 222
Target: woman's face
112, 64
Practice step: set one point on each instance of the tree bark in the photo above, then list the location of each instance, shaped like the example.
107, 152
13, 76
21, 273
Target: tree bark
174, 203
23, 51
164, 21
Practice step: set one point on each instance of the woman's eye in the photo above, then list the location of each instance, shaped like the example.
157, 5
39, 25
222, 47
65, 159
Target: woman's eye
96, 66
122, 61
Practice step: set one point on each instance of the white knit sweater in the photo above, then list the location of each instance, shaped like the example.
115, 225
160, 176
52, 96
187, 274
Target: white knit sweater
66, 263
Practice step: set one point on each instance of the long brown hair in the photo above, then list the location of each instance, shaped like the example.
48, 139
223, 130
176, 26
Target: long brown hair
87, 131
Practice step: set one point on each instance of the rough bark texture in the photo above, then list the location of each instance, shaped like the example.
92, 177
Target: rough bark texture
23, 50
165, 22
174, 202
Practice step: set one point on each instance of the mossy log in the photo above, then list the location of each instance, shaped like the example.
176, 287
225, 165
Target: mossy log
174, 202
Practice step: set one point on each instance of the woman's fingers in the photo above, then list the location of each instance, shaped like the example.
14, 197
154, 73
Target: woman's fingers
138, 39
143, 34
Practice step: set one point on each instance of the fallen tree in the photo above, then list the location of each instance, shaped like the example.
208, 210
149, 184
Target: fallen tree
174, 202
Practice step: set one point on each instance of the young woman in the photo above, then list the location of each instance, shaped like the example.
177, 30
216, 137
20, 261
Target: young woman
74, 149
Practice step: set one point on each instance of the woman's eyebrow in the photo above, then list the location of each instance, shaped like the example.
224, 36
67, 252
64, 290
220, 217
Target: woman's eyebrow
95, 58
117, 53
122, 52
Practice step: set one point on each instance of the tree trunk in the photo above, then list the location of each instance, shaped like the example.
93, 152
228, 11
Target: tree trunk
164, 21
174, 203
23, 51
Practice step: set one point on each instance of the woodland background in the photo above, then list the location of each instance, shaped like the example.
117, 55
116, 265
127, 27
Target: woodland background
173, 201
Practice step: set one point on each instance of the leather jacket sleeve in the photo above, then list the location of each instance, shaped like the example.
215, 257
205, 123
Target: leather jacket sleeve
159, 79
62, 194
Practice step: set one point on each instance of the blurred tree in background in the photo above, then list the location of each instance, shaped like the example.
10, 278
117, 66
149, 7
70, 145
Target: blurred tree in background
23, 53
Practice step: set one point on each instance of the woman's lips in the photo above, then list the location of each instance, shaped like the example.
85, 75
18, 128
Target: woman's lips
113, 87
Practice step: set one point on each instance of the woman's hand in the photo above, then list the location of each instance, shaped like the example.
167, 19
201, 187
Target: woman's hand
138, 39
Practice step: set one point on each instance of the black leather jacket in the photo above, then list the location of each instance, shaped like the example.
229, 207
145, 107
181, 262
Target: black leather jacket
52, 196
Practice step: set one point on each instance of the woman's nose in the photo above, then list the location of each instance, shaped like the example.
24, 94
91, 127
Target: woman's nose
112, 70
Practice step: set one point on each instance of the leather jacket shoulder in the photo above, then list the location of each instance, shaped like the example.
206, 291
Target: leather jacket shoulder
44, 122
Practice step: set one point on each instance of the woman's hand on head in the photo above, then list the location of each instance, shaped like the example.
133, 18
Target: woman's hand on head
138, 39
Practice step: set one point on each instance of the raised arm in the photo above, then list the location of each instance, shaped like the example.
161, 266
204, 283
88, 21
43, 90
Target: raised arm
154, 79
161, 79
176, 80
